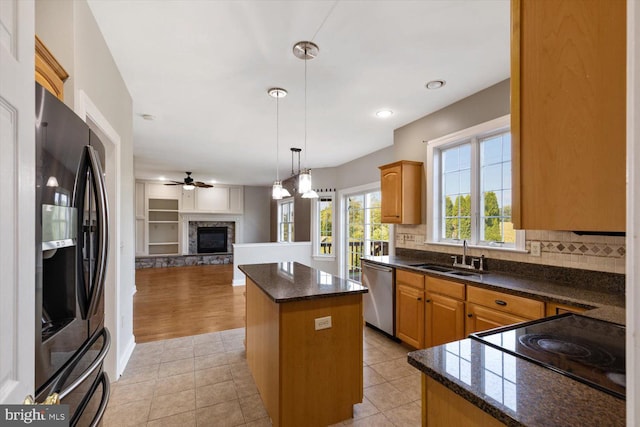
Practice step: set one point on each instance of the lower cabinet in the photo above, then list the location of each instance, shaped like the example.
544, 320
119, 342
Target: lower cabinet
444, 311
487, 309
444, 320
442, 407
432, 311
410, 308
481, 318
554, 308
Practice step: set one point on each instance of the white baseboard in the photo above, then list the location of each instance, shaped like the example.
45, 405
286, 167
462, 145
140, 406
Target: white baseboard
238, 282
134, 290
126, 355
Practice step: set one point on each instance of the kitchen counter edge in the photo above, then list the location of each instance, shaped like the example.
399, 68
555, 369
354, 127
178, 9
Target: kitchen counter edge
302, 285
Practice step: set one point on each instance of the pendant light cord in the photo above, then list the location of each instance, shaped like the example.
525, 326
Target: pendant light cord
305, 106
277, 138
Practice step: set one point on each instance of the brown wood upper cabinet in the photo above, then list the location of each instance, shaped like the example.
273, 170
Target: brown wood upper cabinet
568, 94
49, 73
401, 184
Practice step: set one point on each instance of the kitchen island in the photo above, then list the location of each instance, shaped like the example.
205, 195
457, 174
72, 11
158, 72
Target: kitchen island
304, 342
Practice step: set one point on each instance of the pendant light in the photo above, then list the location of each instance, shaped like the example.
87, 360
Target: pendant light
305, 51
278, 192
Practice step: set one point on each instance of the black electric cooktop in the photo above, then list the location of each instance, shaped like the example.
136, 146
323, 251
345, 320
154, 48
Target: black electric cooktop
588, 350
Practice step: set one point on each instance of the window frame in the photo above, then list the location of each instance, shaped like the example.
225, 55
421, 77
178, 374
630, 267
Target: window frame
343, 196
316, 233
434, 148
287, 201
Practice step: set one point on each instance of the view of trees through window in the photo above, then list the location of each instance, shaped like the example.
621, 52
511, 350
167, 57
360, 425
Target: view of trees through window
325, 219
366, 235
494, 199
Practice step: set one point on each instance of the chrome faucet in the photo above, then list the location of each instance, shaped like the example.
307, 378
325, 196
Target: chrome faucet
463, 261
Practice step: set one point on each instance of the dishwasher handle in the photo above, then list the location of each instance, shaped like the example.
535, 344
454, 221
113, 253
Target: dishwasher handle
378, 267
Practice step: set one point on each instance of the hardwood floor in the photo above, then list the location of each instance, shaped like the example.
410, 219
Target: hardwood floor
182, 301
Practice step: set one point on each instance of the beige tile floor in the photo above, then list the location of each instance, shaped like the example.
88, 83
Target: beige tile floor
204, 380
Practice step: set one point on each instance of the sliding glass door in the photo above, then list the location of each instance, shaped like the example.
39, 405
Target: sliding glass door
364, 233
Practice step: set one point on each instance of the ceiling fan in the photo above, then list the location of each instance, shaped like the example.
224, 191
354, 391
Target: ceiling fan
189, 183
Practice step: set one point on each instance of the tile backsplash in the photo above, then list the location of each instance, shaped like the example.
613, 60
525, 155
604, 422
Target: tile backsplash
557, 248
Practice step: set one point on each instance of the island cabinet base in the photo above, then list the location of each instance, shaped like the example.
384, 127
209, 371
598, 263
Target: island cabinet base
306, 377
441, 407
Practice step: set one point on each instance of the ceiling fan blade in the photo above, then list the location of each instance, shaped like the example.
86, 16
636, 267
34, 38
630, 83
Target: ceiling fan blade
173, 183
202, 184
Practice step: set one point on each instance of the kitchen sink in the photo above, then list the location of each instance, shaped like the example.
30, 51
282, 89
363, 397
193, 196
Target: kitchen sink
432, 267
463, 273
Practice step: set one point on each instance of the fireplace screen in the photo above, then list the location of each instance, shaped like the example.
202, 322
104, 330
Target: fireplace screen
212, 240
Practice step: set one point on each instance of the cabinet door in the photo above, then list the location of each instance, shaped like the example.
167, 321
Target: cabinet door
444, 319
391, 188
567, 126
161, 191
480, 318
410, 315
214, 199
554, 308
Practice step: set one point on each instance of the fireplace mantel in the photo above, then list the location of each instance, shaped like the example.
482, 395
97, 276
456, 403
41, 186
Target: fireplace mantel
185, 218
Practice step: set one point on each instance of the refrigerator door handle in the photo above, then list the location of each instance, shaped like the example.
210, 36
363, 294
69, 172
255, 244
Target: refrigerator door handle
97, 363
106, 392
103, 231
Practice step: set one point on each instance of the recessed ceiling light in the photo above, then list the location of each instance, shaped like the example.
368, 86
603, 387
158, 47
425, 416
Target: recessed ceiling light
213, 181
162, 178
277, 92
148, 116
383, 114
435, 84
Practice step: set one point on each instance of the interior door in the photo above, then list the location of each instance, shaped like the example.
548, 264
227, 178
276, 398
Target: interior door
17, 193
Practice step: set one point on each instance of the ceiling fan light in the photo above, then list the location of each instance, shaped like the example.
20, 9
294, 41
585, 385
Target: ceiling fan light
304, 181
188, 187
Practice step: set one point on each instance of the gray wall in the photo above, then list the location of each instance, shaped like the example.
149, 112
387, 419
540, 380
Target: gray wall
257, 214
408, 144
480, 107
69, 30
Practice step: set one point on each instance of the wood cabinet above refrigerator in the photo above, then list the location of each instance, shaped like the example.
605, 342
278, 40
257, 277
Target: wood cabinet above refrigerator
401, 188
568, 100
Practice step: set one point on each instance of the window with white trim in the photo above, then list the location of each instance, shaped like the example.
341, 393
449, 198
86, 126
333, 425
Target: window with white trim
323, 220
285, 220
471, 187
365, 234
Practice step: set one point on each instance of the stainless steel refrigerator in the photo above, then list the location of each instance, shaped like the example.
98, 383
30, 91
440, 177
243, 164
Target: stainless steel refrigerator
72, 235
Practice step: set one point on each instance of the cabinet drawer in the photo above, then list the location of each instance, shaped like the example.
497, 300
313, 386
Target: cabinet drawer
415, 280
519, 306
445, 287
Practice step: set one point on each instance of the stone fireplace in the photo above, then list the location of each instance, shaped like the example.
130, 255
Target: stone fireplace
205, 237
189, 223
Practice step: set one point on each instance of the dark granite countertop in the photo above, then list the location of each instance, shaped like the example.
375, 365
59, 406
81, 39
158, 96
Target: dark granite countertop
515, 391
531, 288
291, 281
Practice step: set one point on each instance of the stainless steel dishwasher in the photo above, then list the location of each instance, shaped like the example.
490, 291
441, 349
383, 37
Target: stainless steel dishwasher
380, 301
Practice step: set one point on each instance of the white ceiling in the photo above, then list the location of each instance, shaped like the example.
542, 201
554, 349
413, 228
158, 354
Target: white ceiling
202, 68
